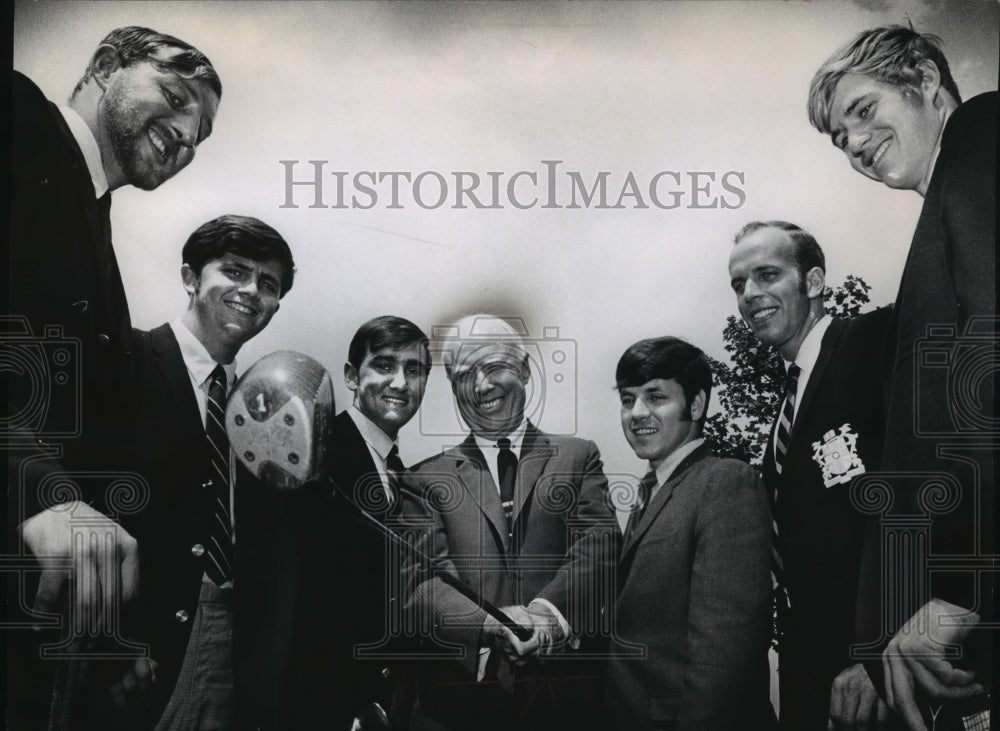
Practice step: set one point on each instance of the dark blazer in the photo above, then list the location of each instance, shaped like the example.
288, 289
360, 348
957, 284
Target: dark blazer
822, 533
73, 340
171, 452
347, 627
939, 406
696, 594
563, 546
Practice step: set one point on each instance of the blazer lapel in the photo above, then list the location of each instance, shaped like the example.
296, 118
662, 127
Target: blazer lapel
827, 347
536, 449
662, 497
167, 356
475, 476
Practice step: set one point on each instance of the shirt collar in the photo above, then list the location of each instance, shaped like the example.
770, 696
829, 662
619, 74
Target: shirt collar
88, 146
196, 356
373, 436
516, 437
667, 466
808, 353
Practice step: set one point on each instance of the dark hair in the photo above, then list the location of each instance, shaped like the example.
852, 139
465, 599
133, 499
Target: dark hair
889, 54
243, 236
387, 331
134, 43
667, 358
808, 254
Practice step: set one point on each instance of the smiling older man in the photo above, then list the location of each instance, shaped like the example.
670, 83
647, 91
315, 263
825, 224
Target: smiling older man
524, 516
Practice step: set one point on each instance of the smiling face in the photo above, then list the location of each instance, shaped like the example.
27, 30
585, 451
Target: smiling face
488, 381
389, 385
231, 300
889, 133
776, 300
151, 121
656, 418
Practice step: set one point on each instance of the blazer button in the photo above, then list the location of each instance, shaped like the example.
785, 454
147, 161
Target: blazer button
386, 673
104, 338
181, 616
197, 549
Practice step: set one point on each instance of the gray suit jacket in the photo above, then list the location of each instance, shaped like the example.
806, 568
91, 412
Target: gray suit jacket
695, 591
564, 534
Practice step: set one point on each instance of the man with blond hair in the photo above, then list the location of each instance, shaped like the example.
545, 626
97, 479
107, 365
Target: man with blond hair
889, 102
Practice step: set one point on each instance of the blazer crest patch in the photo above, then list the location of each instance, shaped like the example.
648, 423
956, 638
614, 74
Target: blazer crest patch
837, 456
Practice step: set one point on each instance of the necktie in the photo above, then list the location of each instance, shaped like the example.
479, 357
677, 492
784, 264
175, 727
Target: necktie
646, 485
781, 602
394, 468
785, 419
220, 543
507, 470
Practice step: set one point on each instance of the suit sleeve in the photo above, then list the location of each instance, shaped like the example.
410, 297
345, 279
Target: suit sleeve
730, 599
582, 587
437, 611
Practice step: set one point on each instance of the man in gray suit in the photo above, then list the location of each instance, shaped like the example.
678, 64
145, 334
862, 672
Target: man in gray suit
524, 517
693, 577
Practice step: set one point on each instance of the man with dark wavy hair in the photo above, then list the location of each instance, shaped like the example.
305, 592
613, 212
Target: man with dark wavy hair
889, 102
213, 606
145, 103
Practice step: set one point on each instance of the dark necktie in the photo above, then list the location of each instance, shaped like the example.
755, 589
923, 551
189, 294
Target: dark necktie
646, 485
785, 418
220, 544
507, 470
394, 468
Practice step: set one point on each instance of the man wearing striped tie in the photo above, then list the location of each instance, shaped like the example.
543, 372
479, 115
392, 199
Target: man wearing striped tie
210, 537
828, 431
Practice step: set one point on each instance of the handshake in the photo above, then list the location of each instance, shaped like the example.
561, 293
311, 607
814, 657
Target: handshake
548, 635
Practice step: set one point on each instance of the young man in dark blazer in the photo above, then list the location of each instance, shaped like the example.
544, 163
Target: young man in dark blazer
215, 611
832, 434
348, 621
143, 106
888, 100
694, 589
524, 518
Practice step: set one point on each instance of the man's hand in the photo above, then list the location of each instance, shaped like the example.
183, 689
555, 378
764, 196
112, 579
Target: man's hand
518, 652
138, 679
551, 638
914, 660
854, 702
105, 563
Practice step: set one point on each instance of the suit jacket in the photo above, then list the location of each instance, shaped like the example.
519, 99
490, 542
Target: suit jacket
940, 399
821, 531
696, 594
72, 340
348, 624
562, 550
171, 452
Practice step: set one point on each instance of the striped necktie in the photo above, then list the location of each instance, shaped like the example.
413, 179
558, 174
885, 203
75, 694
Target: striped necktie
507, 471
781, 602
787, 414
220, 544
394, 468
